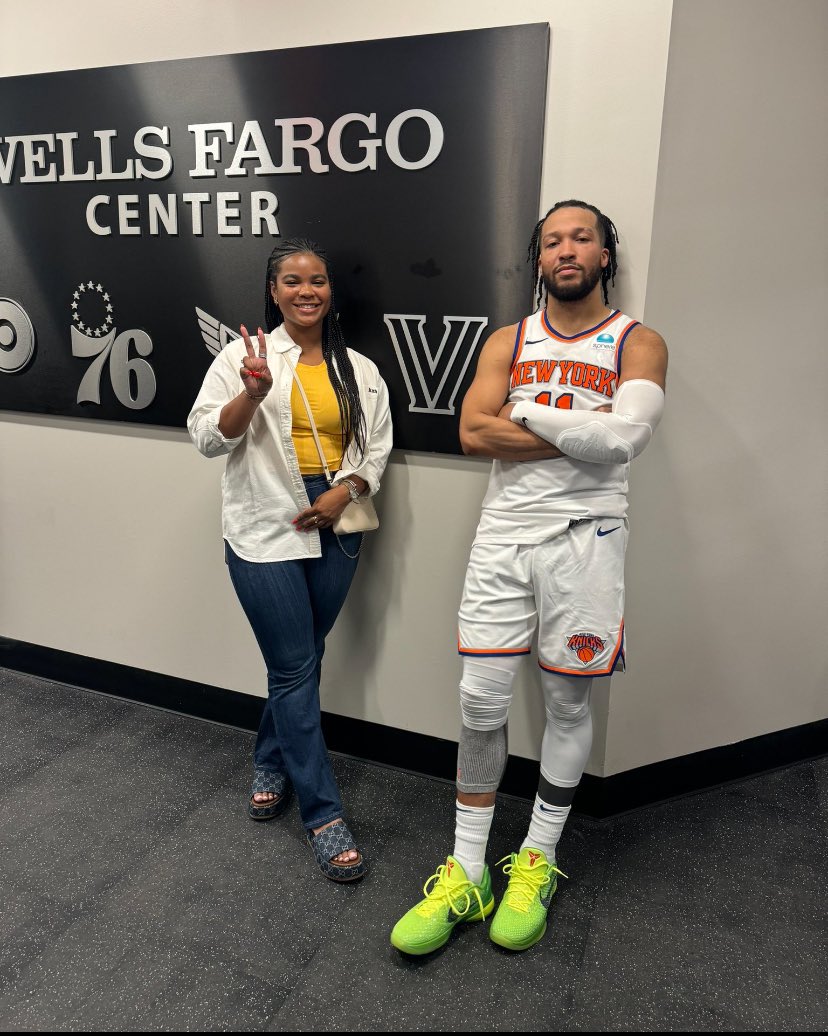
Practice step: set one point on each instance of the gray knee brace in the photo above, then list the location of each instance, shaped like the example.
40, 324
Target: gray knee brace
481, 759
485, 695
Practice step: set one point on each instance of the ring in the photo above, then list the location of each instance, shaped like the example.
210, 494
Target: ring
316, 519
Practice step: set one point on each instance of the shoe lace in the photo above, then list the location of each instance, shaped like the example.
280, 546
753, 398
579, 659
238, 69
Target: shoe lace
525, 882
439, 895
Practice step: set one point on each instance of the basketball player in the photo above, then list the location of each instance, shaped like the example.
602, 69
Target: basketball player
562, 402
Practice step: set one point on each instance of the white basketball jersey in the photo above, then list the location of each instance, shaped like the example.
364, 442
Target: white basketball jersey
530, 501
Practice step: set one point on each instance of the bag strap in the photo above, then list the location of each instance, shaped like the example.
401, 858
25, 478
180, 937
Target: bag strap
301, 388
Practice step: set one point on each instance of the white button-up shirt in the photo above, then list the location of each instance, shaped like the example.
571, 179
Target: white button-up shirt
262, 487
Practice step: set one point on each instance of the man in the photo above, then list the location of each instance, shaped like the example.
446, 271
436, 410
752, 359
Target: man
583, 387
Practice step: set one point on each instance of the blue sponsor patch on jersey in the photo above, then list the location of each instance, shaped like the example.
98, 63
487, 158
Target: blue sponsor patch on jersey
605, 339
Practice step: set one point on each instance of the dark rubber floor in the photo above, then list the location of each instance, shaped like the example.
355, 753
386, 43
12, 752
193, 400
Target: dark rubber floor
136, 895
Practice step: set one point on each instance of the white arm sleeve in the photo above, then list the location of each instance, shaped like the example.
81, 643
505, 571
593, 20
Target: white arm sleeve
599, 438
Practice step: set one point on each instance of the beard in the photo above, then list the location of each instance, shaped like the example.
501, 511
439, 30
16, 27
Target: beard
574, 291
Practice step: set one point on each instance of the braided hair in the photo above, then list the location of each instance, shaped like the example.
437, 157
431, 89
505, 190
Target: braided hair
341, 370
609, 239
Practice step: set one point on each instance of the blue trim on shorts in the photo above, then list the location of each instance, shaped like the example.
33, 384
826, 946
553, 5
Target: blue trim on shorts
619, 654
581, 676
471, 653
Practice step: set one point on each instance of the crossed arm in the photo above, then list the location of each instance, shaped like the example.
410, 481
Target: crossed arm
596, 436
484, 431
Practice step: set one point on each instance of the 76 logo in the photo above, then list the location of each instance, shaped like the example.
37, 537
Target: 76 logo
132, 377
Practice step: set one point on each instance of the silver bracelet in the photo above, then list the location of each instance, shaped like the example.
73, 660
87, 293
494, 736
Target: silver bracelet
258, 399
353, 488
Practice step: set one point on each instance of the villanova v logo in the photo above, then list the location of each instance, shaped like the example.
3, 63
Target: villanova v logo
433, 378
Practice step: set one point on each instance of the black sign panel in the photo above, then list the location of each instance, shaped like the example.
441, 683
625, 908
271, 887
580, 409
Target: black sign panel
138, 206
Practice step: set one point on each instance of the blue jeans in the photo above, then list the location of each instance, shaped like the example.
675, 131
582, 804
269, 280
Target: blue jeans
292, 606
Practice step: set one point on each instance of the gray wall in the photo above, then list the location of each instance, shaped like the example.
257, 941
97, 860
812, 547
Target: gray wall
110, 542
111, 535
727, 567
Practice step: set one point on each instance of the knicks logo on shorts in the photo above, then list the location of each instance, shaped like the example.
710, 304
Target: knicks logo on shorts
586, 646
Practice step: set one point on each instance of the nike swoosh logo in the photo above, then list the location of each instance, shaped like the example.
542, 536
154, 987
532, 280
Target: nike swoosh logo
534, 341
525, 421
543, 809
606, 532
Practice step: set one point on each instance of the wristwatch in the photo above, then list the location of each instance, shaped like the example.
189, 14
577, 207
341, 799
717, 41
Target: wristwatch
351, 486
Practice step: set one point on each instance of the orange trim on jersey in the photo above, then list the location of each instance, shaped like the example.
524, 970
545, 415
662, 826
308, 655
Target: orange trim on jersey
491, 651
621, 339
617, 652
520, 338
583, 334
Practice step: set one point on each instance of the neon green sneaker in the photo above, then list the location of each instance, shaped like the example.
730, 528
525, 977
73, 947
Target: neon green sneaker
520, 920
449, 898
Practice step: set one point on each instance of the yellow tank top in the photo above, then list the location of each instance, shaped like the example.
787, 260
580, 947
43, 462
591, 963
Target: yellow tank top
322, 399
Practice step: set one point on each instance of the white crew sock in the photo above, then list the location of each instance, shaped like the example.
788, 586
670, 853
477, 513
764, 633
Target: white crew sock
471, 833
545, 827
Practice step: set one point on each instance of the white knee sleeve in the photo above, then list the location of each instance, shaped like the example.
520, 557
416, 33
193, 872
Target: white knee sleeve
566, 699
567, 739
486, 691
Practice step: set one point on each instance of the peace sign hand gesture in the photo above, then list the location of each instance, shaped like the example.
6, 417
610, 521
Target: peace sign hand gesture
255, 373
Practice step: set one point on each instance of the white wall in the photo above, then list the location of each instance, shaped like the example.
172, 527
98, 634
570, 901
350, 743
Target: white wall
727, 566
110, 541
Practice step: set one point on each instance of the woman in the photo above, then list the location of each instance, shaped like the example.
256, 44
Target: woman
291, 572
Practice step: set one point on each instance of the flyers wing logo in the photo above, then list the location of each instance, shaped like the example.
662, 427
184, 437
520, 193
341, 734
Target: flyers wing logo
432, 377
215, 334
586, 646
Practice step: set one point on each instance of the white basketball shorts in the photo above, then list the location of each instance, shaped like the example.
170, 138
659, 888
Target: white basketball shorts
570, 588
